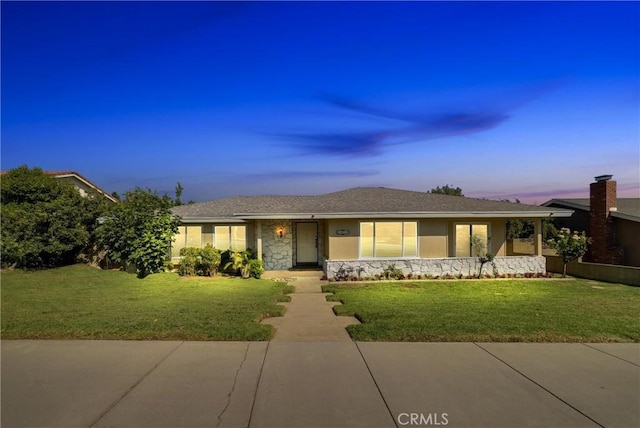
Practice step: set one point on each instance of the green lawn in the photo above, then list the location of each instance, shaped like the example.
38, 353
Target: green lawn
79, 302
532, 310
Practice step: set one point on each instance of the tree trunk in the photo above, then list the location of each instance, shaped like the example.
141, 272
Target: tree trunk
564, 269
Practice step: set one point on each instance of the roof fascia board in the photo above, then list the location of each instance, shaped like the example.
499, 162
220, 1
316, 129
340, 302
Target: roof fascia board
458, 214
192, 219
625, 216
569, 204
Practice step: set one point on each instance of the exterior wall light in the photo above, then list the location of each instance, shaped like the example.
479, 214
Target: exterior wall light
280, 231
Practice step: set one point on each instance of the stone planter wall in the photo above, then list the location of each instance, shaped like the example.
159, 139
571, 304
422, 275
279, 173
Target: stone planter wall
437, 267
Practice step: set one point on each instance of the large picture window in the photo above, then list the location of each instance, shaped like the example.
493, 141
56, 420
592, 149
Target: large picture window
187, 236
232, 238
464, 232
387, 239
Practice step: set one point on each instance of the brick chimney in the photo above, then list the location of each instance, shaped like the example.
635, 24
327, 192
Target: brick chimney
603, 248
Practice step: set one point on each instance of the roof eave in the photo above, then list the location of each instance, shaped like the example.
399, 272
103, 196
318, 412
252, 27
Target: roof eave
624, 216
192, 219
566, 203
434, 214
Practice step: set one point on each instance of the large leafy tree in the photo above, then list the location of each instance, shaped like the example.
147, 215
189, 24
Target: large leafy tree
139, 230
45, 221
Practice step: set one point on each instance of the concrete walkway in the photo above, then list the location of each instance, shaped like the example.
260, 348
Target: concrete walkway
309, 317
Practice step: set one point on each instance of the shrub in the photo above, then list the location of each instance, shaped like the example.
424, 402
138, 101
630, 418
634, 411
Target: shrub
188, 263
392, 272
209, 261
254, 268
199, 261
237, 262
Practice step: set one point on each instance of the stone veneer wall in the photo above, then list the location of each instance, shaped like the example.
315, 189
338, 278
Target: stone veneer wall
438, 267
277, 253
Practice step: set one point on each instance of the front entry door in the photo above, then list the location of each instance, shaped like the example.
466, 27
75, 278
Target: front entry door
307, 243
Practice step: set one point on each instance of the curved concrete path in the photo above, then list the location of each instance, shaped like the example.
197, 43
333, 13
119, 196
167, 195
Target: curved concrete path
308, 316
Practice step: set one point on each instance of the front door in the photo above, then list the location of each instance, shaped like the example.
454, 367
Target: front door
307, 243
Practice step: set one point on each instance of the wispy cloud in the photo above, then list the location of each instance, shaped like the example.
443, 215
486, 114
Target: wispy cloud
625, 190
314, 174
394, 126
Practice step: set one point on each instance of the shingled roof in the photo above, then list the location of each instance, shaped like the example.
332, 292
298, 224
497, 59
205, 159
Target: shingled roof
627, 208
361, 202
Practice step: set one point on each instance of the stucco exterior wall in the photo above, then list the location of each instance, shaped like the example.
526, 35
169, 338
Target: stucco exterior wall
498, 244
433, 237
343, 246
438, 267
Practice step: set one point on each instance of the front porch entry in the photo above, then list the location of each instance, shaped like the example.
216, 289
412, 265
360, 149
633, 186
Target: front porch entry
306, 244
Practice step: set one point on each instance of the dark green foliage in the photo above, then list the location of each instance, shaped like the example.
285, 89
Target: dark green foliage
524, 229
199, 261
447, 190
236, 262
139, 231
255, 268
45, 221
392, 272
179, 189
519, 229
188, 262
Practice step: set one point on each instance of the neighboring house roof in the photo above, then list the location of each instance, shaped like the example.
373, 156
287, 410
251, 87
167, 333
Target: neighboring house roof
627, 208
84, 182
361, 202
81, 182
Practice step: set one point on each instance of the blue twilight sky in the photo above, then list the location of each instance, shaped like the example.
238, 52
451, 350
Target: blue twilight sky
525, 100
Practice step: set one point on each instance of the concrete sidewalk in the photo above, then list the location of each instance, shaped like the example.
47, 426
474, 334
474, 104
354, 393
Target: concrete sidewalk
321, 384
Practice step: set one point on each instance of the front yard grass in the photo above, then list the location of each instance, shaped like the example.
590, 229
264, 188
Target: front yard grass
532, 310
79, 302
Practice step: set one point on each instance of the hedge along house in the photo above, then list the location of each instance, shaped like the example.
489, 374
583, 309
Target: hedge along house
364, 230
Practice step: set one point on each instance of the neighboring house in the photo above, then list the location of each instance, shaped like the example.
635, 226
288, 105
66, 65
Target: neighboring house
363, 230
612, 223
83, 185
